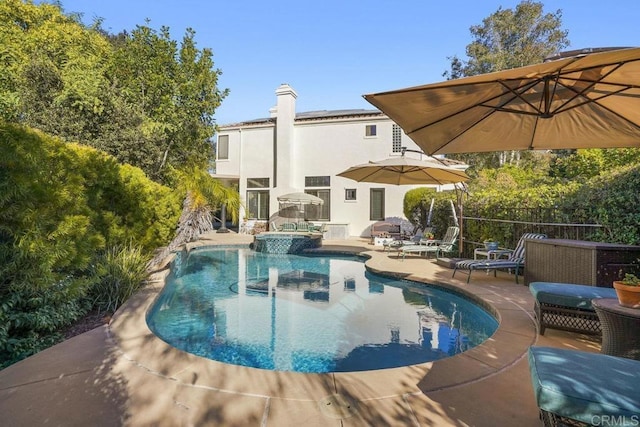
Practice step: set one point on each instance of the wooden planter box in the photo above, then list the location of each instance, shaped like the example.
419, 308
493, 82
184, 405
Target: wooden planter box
578, 261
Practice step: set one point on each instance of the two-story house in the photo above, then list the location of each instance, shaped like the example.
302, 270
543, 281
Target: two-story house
303, 152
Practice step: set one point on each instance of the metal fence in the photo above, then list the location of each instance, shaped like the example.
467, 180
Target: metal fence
554, 223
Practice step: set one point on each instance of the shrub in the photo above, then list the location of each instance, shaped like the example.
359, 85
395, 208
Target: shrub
118, 273
612, 200
61, 204
417, 203
30, 318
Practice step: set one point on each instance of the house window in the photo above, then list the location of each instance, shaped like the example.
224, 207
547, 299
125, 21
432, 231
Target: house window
370, 131
350, 194
317, 181
396, 139
258, 200
376, 207
258, 204
223, 147
257, 182
319, 212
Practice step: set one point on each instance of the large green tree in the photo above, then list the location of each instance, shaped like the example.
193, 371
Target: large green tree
52, 67
509, 38
140, 96
172, 91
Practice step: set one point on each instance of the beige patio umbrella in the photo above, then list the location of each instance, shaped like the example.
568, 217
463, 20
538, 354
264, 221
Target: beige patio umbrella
300, 199
405, 171
584, 101
293, 204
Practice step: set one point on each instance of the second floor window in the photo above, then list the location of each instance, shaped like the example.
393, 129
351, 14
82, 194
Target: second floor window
370, 131
223, 147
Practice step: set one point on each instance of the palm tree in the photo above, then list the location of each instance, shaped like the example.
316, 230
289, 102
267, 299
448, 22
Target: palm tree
203, 195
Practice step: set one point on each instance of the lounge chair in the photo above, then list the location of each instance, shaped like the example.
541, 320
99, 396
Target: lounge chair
417, 237
437, 247
515, 261
322, 228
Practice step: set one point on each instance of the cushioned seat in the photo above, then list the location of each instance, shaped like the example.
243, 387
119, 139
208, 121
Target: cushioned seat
569, 295
567, 306
289, 226
587, 387
302, 226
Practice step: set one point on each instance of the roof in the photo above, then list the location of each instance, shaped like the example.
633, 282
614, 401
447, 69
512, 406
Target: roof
313, 115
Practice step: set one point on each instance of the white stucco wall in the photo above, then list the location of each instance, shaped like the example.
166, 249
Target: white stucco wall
315, 147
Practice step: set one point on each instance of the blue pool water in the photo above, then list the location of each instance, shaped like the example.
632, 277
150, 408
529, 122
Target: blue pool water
309, 313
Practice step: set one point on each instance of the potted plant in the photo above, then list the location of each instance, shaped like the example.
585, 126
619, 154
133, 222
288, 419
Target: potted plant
628, 291
490, 244
428, 235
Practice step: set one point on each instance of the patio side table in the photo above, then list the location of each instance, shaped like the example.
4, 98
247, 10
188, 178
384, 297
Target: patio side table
491, 253
620, 328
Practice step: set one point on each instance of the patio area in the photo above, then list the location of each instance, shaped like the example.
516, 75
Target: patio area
121, 374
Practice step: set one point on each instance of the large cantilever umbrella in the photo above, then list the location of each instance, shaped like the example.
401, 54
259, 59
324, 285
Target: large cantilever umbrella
405, 171
583, 101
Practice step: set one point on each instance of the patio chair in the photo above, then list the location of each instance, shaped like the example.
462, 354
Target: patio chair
515, 261
289, 226
417, 237
303, 226
433, 246
322, 228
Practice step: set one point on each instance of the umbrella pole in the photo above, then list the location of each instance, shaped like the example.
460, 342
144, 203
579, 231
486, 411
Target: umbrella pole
460, 199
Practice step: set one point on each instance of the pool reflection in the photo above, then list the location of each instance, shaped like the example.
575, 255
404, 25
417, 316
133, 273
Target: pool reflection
309, 314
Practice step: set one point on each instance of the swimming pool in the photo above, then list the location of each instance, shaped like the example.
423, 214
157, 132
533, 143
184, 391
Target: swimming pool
309, 313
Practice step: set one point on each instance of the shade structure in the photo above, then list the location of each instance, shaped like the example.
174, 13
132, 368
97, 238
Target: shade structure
300, 198
405, 171
293, 205
585, 101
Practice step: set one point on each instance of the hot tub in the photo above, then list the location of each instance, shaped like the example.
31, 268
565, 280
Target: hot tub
278, 242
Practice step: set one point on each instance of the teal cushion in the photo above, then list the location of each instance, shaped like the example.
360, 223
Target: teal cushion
569, 295
586, 386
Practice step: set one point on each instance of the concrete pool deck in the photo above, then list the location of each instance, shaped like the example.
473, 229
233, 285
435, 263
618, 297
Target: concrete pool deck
121, 374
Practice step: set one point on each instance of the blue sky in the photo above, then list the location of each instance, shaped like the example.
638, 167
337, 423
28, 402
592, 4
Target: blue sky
334, 51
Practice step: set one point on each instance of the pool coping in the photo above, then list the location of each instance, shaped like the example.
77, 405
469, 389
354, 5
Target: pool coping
141, 347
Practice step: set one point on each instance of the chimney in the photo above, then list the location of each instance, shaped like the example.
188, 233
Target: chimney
285, 114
